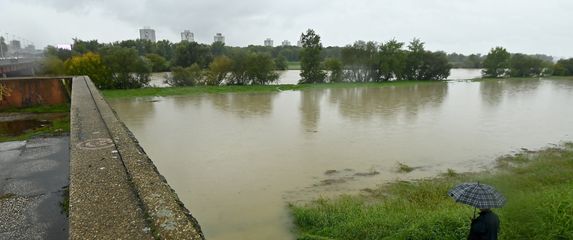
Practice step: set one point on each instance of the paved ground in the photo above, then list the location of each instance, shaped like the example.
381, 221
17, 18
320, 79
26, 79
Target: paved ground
32, 176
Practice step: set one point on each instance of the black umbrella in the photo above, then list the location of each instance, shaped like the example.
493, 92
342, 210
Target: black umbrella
477, 195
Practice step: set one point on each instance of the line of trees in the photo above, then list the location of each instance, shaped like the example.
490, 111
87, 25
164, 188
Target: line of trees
372, 62
128, 64
500, 63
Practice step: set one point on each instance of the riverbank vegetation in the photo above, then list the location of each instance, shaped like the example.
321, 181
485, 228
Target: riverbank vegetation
537, 185
128, 64
185, 91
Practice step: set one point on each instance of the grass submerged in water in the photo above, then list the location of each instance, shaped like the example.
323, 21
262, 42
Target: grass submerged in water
56, 126
538, 186
182, 91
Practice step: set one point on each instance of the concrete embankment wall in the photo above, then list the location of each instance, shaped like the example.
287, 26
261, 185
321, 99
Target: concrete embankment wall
27, 92
116, 191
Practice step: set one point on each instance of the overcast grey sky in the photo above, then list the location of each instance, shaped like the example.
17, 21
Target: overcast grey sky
466, 26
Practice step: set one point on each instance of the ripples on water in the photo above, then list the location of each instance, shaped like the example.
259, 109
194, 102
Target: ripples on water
236, 160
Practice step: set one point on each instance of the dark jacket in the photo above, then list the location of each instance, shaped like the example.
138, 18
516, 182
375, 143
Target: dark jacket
484, 227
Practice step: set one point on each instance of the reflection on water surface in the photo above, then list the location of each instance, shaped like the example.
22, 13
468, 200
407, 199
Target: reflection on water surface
235, 160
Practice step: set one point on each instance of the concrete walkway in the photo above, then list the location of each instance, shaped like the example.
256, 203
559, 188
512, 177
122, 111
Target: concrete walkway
32, 176
116, 191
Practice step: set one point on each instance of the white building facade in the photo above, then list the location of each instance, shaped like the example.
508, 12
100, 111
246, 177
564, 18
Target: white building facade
268, 42
147, 34
219, 38
187, 36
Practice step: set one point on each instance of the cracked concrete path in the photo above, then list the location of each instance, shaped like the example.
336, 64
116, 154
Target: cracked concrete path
33, 175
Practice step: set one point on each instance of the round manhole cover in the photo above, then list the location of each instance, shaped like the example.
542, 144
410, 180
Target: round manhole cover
94, 144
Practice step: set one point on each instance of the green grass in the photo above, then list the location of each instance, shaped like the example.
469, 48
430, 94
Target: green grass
179, 91
293, 65
538, 186
57, 127
524, 78
40, 109
403, 168
65, 203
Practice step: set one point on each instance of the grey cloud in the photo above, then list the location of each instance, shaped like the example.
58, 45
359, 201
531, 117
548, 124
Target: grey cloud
453, 25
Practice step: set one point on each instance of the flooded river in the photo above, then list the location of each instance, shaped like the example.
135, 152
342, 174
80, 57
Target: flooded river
292, 76
237, 160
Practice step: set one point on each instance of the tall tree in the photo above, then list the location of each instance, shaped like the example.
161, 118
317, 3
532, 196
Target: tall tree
165, 49
281, 63
334, 66
188, 76
310, 58
189, 53
218, 70
414, 60
157, 62
496, 63
392, 60
62, 54
82, 47
564, 67
218, 49
90, 64
522, 65
128, 68
435, 66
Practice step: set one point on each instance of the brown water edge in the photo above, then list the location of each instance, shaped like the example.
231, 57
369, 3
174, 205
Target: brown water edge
236, 160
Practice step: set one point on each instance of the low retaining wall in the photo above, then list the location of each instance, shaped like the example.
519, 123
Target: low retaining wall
116, 191
27, 92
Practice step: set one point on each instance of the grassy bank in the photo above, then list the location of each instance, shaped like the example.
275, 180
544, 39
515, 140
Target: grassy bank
57, 127
524, 78
538, 186
61, 108
180, 91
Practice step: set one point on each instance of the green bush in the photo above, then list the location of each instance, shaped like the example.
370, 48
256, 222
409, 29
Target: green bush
539, 193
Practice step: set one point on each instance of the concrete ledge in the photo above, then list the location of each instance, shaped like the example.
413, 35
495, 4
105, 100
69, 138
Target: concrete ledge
116, 191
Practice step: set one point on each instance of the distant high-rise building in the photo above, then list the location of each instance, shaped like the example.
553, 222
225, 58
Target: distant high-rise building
299, 43
268, 42
219, 38
14, 47
286, 43
187, 36
147, 34
30, 48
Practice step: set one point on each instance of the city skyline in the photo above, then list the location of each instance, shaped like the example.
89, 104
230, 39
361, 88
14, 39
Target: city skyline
452, 26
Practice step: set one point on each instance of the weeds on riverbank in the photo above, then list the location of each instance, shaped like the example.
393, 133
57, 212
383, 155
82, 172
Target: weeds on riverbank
61, 108
45, 121
537, 184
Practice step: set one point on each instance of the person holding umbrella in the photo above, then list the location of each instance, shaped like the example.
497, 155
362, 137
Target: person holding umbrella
484, 197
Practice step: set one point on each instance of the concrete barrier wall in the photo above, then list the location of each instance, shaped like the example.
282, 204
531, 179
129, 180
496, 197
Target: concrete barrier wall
27, 92
116, 191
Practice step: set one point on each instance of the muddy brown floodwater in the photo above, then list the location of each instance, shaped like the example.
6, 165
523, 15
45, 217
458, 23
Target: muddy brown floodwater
293, 76
236, 160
